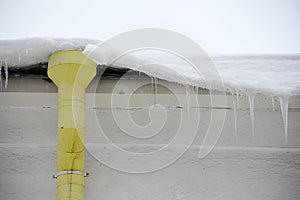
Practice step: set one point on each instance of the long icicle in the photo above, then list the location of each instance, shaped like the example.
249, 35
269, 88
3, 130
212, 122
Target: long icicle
273, 104
152, 82
187, 97
235, 117
284, 106
19, 57
6, 73
251, 108
234, 104
1, 75
237, 98
155, 90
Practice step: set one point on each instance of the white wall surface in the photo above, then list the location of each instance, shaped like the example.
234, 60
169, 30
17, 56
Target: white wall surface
263, 166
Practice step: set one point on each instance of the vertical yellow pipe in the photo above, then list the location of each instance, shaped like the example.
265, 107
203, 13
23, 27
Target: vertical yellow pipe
71, 71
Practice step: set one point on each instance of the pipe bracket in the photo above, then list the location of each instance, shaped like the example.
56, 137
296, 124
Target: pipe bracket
84, 174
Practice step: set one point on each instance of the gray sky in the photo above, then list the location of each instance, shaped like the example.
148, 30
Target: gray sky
219, 26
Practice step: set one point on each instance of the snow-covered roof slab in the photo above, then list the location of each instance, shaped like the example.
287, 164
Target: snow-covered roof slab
270, 75
31, 51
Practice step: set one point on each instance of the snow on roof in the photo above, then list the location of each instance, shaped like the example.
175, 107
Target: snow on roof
271, 75
268, 75
31, 51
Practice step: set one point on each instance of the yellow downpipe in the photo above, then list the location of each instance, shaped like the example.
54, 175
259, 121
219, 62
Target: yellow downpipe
71, 71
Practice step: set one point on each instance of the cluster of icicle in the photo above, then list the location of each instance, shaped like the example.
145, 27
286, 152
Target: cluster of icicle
269, 75
17, 63
251, 98
236, 94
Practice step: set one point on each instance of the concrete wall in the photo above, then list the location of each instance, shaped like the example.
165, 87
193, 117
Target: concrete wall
262, 166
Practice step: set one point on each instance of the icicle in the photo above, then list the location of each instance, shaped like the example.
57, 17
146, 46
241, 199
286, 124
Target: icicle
1, 75
19, 58
196, 93
273, 104
6, 73
234, 113
139, 73
284, 106
187, 97
251, 107
237, 98
152, 82
235, 118
155, 90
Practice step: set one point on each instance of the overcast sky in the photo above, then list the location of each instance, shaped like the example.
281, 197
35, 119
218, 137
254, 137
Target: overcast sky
219, 26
